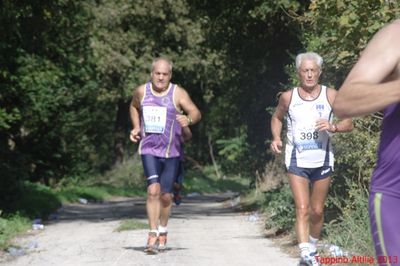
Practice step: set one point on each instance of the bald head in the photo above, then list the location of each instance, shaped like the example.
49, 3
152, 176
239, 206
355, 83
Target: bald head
162, 61
161, 73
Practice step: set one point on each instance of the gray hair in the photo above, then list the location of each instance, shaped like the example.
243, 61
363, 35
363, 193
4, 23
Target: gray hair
310, 56
169, 62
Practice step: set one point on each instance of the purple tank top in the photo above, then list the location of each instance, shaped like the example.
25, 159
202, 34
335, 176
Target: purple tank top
161, 132
386, 177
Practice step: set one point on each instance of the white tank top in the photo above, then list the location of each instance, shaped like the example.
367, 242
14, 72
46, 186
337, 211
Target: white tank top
306, 147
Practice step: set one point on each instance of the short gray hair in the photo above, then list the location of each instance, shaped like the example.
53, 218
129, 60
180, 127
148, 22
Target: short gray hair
155, 60
310, 56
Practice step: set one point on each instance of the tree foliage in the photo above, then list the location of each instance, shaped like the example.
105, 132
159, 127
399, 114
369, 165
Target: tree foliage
45, 75
67, 72
255, 39
339, 30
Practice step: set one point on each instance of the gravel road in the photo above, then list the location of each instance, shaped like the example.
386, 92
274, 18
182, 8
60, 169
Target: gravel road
203, 230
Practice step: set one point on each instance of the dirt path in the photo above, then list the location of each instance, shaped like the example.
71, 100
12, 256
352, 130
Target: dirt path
203, 231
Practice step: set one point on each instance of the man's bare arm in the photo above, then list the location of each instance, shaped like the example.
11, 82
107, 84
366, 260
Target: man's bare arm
344, 125
184, 102
186, 134
134, 111
277, 121
370, 86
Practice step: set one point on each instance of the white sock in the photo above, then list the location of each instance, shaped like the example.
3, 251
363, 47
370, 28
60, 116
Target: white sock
313, 244
162, 229
304, 249
154, 231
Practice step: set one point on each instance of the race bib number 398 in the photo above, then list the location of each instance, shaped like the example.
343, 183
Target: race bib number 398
307, 139
155, 118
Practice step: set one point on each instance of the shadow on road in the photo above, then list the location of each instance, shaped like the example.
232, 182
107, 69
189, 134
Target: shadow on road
141, 248
192, 207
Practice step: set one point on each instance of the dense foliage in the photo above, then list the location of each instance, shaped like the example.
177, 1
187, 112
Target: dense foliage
68, 70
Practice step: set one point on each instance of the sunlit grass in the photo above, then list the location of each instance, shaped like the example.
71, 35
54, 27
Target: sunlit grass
11, 227
351, 230
35, 201
97, 193
206, 181
125, 179
131, 224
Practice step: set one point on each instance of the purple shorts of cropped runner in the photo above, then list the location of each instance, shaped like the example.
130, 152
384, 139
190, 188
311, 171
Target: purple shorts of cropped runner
385, 220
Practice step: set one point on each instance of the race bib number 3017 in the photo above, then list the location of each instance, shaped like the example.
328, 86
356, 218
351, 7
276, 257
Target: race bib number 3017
155, 118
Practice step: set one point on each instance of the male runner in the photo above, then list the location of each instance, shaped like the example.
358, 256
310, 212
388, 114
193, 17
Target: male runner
156, 111
308, 155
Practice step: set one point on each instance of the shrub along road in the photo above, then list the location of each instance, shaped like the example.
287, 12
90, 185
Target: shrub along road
203, 230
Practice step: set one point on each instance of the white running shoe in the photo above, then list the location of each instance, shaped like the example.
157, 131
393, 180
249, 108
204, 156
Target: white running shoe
309, 260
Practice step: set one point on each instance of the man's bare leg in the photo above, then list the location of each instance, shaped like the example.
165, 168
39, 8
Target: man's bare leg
153, 214
165, 208
153, 205
301, 195
319, 193
166, 204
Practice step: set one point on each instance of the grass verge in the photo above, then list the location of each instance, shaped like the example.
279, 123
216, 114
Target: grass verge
131, 224
351, 230
205, 181
12, 226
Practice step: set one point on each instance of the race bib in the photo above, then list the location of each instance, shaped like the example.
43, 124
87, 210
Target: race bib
155, 118
307, 138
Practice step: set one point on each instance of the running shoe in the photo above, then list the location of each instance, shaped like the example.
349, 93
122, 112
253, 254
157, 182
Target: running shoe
162, 241
152, 242
177, 198
177, 193
310, 260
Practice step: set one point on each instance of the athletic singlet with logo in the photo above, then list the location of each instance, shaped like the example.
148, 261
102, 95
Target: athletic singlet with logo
306, 147
160, 131
386, 177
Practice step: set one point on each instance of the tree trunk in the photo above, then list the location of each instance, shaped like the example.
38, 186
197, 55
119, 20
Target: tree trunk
212, 157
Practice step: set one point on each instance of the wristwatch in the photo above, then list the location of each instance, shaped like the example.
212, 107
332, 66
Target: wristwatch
190, 121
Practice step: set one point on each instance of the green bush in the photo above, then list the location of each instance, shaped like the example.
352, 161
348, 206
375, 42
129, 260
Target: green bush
351, 229
347, 223
12, 226
234, 153
124, 179
35, 201
279, 205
